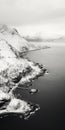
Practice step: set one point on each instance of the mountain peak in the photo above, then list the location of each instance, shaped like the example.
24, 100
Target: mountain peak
6, 29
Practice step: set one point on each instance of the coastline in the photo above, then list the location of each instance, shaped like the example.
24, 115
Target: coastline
29, 74
16, 71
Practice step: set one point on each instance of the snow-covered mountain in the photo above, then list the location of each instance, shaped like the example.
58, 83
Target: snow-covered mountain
15, 71
38, 38
13, 38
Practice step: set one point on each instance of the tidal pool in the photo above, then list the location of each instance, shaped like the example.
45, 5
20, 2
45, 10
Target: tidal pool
50, 97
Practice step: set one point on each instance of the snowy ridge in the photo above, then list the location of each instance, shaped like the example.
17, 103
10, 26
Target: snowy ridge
15, 71
13, 38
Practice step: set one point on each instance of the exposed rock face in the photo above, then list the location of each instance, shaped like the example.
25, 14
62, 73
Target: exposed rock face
15, 71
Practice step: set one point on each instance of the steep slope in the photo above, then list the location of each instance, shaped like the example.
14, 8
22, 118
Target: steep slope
15, 72
13, 38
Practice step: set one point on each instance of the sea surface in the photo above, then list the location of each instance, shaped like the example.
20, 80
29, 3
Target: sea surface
50, 97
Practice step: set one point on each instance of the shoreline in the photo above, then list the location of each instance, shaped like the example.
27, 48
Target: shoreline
18, 77
16, 71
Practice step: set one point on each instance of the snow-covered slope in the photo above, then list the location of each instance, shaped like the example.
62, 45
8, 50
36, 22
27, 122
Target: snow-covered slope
18, 43
15, 71
12, 37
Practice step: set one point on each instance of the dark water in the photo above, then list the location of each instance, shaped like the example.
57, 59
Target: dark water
51, 95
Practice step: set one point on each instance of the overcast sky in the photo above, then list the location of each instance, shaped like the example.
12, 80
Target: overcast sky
46, 16
31, 11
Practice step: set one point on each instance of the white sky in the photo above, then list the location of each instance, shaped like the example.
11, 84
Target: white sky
34, 12
31, 11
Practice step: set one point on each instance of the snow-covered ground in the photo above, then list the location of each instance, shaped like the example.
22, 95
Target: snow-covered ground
15, 71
